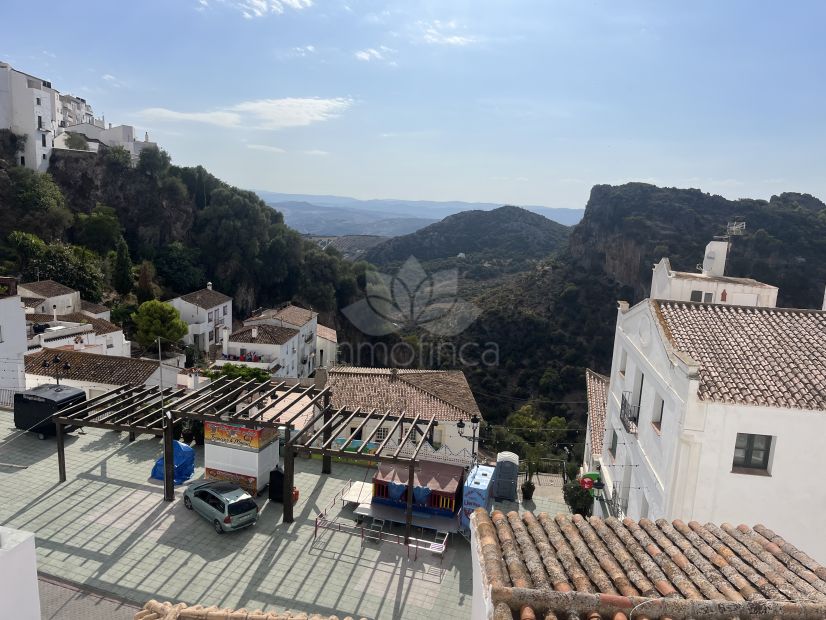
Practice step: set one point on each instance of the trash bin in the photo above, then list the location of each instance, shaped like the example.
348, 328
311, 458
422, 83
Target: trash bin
276, 486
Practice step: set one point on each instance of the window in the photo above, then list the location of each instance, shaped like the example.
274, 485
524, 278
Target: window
37, 100
43, 139
40, 122
43, 156
381, 434
612, 448
209, 316
211, 336
1, 333
752, 451
22, 161
708, 298
657, 414
623, 362
696, 295
225, 310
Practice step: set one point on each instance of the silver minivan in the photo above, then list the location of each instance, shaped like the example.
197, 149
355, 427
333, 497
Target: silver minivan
224, 504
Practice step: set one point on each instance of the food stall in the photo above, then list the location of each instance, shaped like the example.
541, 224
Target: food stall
238, 454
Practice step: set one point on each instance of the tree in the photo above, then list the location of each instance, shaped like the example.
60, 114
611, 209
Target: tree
233, 371
578, 499
36, 204
10, 145
153, 162
117, 159
146, 288
76, 141
100, 230
122, 276
178, 267
155, 319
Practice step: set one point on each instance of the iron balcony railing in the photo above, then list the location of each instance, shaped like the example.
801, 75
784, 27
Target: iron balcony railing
629, 414
617, 504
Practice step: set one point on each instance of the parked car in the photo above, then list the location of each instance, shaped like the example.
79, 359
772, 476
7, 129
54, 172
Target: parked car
224, 504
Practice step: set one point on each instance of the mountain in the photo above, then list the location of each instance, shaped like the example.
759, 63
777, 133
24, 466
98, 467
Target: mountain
506, 236
415, 208
313, 219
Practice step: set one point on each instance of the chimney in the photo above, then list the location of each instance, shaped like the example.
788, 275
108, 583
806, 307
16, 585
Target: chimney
824, 300
209, 285
320, 377
54, 311
146, 136
110, 125
394, 373
254, 333
714, 261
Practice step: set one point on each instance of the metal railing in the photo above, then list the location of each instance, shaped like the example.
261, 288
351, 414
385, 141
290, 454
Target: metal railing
617, 505
629, 414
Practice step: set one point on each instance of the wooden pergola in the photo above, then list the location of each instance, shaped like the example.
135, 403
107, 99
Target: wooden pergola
151, 410
334, 424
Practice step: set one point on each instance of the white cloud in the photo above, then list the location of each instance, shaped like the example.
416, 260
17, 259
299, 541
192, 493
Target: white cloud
440, 32
109, 77
49, 54
265, 147
317, 152
369, 54
260, 113
252, 9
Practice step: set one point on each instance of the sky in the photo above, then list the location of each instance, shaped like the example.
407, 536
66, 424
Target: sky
519, 102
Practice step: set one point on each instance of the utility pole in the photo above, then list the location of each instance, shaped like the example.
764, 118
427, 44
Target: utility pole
168, 452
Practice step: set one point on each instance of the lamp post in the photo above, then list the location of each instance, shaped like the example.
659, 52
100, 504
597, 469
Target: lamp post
57, 366
474, 424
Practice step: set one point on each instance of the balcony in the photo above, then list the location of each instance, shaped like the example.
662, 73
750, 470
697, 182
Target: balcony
629, 414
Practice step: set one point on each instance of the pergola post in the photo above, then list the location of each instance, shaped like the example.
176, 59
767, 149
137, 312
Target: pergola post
411, 467
168, 460
289, 468
326, 460
61, 452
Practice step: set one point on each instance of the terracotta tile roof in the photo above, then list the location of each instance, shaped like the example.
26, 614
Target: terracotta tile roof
597, 389
328, 333
267, 334
99, 326
88, 306
32, 302
754, 356
597, 568
93, 367
445, 393
206, 298
46, 288
288, 313
154, 610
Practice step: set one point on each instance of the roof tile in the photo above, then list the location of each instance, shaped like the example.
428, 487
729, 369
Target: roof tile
206, 298
92, 367
597, 394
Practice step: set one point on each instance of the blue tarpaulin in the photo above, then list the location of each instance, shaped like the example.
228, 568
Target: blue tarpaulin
396, 490
184, 460
421, 495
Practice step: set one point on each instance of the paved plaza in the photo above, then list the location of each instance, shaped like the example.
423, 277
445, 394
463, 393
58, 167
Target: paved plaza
108, 528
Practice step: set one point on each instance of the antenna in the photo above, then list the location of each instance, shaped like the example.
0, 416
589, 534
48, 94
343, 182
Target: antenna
735, 228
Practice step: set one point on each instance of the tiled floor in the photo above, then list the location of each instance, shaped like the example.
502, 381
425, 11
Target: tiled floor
108, 527
62, 601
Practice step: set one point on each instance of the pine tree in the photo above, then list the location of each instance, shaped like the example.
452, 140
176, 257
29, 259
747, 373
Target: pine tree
122, 276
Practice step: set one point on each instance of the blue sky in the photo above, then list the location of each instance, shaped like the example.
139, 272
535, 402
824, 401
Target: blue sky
516, 102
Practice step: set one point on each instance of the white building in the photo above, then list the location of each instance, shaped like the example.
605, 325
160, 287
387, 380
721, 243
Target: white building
710, 285
78, 332
711, 410
113, 136
12, 341
205, 312
269, 347
326, 346
49, 297
94, 373
29, 107
443, 393
74, 111
295, 317
18, 574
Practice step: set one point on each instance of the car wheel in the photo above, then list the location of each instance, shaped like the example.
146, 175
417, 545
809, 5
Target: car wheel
217, 525
187, 503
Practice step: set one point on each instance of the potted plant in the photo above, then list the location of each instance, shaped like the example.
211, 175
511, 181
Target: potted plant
528, 486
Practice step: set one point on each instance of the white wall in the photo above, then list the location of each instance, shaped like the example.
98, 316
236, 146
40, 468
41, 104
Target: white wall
668, 285
66, 304
200, 325
18, 574
326, 352
13, 343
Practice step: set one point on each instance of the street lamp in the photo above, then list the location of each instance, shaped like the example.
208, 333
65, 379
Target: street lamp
56, 363
474, 424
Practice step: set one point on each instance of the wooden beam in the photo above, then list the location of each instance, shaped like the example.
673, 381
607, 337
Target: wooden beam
389, 435
357, 431
373, 432
242, 398
97, 399
411, 472
157, 403
210, 386
203, 396
278, 400
406, 436
342, 426
430, 425
83, 409
61, 452
289, 469
223, 397
309, 424
168, 461
137, 398
319, 431
322, 394
264, 396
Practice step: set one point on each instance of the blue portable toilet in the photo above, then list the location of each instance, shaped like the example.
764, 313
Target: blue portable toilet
477, 492
183, 457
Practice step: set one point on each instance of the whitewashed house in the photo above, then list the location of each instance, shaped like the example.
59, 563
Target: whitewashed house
50, 297
95, 373
76, 331
206, 312
443, 393
326, 346
12, 341
269, 347
715, 413
294, 317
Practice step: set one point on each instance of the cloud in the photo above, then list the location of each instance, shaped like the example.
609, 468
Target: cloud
317, 152
109, 77
269, 114
440, 32
49, 54
265, 147
369, 54
252, 9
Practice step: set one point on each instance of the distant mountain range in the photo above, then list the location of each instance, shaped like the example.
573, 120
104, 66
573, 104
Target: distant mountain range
341, 215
